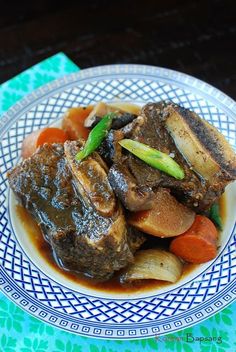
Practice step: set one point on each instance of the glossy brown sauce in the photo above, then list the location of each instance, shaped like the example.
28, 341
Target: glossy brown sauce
113, 285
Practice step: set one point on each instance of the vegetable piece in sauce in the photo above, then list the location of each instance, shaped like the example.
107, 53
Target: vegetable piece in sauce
198, 244
37, 138
215, 216
73, 122
154, 264
154, 158
96, 136
167, 218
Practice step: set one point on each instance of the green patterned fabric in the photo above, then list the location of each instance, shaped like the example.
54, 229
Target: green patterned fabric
21, 332
27, 81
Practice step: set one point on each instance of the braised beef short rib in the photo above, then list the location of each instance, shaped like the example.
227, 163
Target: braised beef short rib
160, 126
76, 209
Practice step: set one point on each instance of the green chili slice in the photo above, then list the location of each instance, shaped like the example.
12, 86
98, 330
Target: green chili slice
96, 136
154, 158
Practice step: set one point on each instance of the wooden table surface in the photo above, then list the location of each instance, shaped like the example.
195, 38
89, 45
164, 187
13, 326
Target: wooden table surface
197, 37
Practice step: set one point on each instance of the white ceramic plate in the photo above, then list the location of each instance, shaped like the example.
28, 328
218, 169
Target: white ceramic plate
26, 278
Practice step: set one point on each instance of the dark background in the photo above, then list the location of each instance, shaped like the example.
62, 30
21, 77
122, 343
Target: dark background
195, 37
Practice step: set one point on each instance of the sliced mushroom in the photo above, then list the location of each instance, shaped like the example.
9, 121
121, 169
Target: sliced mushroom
154, 264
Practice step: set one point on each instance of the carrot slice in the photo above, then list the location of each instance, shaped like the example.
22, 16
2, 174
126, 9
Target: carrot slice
199, 243
37, 138
51, 135
73, 122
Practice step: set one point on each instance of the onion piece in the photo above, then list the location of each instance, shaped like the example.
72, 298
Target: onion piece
154, 264
101, 109
126, 107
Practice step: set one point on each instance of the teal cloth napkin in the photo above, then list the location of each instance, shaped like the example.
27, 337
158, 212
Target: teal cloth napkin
21, 332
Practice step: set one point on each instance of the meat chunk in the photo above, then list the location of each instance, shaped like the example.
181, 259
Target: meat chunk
133, 197
81, 219
163, 126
